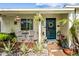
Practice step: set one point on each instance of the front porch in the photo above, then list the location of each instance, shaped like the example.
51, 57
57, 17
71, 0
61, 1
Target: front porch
39, 30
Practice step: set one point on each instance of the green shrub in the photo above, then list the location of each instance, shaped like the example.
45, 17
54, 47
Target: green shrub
6, 36
3, 36
12, 35
77, 54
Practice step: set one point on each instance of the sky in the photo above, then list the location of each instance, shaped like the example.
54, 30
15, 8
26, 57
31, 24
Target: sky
34, 5
31, 5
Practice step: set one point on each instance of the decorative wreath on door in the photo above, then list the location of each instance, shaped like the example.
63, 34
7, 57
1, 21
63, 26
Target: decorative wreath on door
50, 24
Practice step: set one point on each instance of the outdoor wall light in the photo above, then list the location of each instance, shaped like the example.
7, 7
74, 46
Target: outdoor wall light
17, 19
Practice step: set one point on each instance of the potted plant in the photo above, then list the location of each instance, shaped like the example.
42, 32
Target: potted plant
63, 42
68, 51
72, 34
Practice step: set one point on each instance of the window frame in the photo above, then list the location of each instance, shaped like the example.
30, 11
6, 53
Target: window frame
27, 24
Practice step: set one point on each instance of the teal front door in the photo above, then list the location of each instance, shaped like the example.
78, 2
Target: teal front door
51, 28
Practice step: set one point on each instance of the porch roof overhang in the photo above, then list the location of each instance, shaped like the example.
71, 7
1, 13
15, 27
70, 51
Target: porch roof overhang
34, 11
76, 6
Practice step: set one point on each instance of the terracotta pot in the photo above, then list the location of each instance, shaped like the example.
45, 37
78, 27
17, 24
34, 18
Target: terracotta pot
68, 51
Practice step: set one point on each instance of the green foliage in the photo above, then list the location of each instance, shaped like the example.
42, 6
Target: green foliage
14, 39
73, 31
63, 43
6, 37
74, 28
38, 47
24, 48
76, 22
77, 54
63, 21
8, 47
38, 17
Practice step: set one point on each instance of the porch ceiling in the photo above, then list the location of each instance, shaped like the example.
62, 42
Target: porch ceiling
34, 11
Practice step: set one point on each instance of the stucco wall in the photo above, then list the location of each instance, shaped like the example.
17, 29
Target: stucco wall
1, 21
8, 22
64, 28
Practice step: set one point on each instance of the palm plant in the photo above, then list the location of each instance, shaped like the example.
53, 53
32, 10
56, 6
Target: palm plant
23, 48
72, 31
38, 48
75, 35
8, 47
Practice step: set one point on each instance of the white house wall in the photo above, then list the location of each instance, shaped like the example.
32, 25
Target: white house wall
1, 20
8, 22
64, 29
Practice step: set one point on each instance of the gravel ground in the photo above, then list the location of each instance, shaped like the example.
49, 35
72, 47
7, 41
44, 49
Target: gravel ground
31, 53
45, 52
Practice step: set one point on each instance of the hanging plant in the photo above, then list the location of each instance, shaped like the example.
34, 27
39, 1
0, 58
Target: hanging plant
38, 18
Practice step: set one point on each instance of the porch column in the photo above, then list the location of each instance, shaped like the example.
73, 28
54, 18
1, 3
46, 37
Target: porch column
40, 29
71, 17
38, 26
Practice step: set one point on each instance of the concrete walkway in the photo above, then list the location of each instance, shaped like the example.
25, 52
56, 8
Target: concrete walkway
55, 50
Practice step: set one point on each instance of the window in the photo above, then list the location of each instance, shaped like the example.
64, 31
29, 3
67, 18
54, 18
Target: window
26, 24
